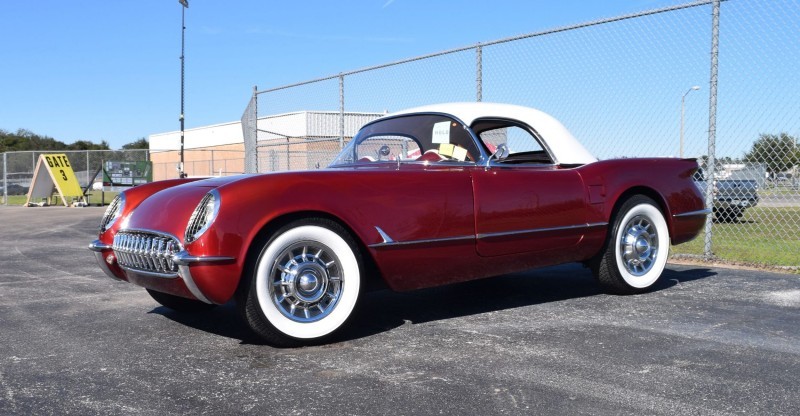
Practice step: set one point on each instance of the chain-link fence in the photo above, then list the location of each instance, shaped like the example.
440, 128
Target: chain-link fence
197, 162
18, 167
715, 80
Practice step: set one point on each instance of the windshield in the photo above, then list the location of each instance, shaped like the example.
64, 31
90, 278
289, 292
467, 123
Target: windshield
412, 138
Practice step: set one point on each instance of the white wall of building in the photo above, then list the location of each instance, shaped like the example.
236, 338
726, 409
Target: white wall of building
302, 124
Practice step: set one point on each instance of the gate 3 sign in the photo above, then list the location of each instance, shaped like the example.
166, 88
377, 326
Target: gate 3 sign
54, 170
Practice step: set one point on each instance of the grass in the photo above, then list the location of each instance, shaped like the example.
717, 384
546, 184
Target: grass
94, 198
779, 191
763, 236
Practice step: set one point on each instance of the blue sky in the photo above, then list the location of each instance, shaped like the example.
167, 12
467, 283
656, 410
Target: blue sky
92, 70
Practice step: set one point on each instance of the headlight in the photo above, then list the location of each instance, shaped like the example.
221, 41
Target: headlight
113, 212
202, 217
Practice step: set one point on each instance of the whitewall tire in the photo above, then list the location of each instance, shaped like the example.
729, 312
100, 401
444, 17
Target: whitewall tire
304, 284
637, 248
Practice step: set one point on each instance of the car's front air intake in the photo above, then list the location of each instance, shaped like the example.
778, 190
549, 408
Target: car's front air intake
146, 251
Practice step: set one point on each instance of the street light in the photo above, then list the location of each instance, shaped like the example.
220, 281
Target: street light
185, 4
683, 106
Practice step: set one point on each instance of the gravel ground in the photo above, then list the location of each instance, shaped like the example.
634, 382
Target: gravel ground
706, 341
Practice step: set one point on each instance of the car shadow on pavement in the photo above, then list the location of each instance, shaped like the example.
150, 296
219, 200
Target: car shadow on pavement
385, 310
224, 320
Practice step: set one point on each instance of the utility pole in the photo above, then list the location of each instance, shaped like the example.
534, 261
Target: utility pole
185, 4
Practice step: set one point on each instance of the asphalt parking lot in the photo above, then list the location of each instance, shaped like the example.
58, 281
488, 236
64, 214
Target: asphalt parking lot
706, 341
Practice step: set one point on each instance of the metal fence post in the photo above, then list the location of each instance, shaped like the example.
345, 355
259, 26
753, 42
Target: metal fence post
712, 129
341, 111
87, 168
255, 125
479, 72
5, 178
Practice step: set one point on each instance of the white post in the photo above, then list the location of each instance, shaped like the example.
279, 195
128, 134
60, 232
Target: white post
5, 178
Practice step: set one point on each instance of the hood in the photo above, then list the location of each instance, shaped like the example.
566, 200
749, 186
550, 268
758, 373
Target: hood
169, 210
216, 182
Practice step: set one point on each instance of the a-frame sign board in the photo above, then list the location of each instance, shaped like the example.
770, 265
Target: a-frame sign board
54, 170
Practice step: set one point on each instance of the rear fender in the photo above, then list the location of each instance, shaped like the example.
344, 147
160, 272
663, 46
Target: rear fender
667, 181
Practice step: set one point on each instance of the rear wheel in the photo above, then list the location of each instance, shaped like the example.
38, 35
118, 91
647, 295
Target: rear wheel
636, 250
178, 303
304, 284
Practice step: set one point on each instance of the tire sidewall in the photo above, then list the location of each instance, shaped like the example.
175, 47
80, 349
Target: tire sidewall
655, 216
350, 290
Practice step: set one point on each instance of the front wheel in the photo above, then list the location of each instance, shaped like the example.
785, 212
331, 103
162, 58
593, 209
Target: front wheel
305, 283
636, 250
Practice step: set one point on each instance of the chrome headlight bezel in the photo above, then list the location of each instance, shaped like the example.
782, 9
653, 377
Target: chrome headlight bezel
202, 217
113, 212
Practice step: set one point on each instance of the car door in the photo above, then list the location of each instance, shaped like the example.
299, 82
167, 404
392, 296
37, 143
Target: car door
527, 209
525, 203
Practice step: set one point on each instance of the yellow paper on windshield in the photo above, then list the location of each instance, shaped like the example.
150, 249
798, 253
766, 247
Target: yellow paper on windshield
446, 149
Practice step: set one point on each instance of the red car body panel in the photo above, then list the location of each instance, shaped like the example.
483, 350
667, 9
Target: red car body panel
431, 205
421, 224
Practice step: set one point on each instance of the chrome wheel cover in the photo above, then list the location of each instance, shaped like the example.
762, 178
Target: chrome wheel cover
306, 281
638, 245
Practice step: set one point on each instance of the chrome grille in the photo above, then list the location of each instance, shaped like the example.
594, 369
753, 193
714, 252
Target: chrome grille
198, 218
146, 251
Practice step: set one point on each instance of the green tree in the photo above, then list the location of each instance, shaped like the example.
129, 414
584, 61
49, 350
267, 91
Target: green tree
87, 145
779, 152
140, 143
23, 140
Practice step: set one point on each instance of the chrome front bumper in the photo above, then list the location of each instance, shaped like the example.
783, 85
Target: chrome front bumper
97, 248
182, 259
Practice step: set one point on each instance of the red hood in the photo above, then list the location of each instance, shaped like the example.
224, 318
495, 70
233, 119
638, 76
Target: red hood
169, 210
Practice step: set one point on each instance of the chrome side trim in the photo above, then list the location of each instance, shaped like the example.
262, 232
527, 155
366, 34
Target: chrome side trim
183, 258
693, 213
427, 241
98, 246
392, 243
541, 230
384, 236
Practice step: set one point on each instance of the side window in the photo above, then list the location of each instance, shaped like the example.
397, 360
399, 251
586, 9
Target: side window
523, 146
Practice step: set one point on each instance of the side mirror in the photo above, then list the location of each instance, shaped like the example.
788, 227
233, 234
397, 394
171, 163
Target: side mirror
383, 151
499, 154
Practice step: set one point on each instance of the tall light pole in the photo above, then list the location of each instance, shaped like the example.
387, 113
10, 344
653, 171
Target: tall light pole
185, 4
683, 110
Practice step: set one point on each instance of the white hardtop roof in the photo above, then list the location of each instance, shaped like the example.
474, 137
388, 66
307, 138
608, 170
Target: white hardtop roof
565, 148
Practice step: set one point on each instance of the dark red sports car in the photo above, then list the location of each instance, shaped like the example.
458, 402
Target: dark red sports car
420, 198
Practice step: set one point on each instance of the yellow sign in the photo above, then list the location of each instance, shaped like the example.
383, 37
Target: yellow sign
59, 174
